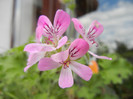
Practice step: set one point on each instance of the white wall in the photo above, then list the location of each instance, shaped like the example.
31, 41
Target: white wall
24, 20
5, 24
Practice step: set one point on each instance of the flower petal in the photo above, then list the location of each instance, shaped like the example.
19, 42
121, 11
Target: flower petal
78, 48
47, 64
95, 28
83, 71
39, 33
66, 78
88, 41
78, 26
62, 42
60, 57
33, 47
47, 28
36, 47
33, 58
27, 67
61, 22
101, 57
44, 20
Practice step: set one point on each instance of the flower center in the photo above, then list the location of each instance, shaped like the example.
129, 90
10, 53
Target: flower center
66, 63
48, 41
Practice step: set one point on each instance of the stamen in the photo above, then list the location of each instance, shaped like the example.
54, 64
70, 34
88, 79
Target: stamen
66, 64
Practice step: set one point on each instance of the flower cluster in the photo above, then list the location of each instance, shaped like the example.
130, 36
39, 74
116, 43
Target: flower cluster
48, 49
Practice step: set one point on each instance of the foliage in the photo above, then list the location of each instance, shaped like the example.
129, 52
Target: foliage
15, 84
70, 4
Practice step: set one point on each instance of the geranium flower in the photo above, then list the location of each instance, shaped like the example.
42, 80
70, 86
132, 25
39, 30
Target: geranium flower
47, 37
94, 31
50, 32
66, 59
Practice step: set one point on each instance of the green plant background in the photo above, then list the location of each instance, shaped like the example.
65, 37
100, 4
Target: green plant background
114, 80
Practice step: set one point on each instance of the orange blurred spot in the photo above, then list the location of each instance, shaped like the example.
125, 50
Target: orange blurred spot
94, 67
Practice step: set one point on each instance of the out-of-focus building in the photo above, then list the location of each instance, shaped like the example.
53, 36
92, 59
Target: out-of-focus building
85, 6
16, 22
18, 18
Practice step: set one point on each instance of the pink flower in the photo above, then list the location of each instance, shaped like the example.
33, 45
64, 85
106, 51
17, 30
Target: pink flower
52, 33
94, 31
66, 59
47, 37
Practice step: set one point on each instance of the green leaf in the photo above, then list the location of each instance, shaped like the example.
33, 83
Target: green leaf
116, 70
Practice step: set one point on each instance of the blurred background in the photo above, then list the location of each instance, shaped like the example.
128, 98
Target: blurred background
18, 19
112, 80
